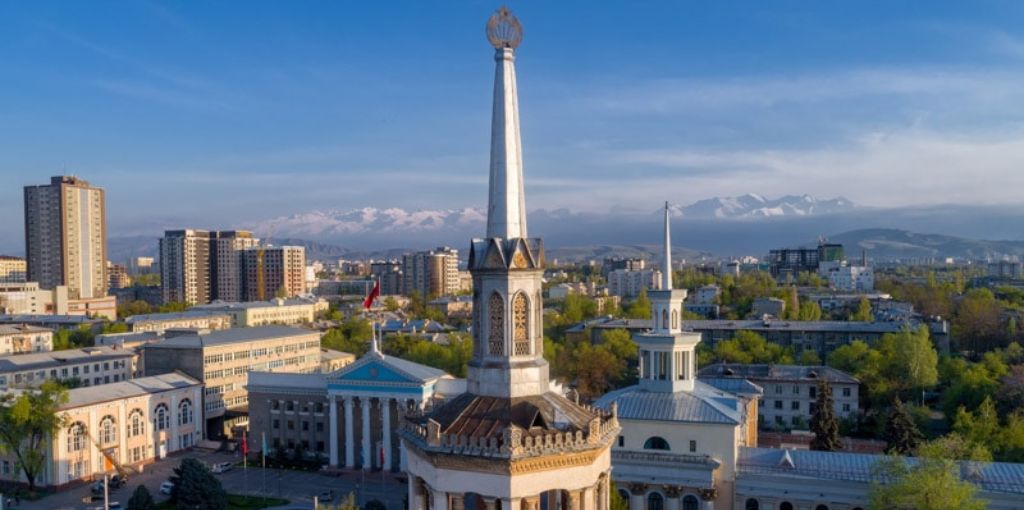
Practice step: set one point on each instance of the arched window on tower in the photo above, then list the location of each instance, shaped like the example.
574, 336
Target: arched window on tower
496, 323
520, 325
664, 319
655, 501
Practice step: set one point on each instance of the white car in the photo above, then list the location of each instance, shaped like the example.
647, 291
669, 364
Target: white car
166, 487
221, 467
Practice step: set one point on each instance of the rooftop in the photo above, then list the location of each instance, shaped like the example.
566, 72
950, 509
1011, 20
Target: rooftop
705, 404
229, 336
79, 397
171, 316
225, 305
20, 362
48, 319
287, 380
776, 373
331, 354
19, 329
751, 325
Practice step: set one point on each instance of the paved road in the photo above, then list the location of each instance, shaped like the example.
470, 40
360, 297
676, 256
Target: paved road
296, 486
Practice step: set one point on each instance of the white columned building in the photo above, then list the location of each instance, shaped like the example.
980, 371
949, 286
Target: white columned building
508, 442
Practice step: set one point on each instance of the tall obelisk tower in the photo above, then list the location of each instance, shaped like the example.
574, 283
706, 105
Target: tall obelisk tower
508, 442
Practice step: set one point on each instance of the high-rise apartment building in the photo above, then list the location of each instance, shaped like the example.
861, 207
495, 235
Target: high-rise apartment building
65, 236
117, 276
389, 274
12, 269
199, 266
283, 272
431, 273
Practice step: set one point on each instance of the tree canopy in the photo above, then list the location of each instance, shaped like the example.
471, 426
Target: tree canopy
27, 421
195, 488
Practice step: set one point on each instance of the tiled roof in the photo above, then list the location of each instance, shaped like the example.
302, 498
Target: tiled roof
733, 385
705, 404
172, 316
126, 389
766, 372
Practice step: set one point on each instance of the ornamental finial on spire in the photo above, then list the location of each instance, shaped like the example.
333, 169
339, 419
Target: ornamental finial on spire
504, 30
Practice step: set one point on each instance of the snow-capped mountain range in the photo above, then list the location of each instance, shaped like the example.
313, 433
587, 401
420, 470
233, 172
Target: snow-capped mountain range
756, 206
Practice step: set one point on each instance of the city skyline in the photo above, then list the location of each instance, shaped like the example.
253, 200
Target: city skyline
246, 113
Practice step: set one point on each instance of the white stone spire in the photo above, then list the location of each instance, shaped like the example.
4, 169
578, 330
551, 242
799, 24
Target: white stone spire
506, 208
666, 268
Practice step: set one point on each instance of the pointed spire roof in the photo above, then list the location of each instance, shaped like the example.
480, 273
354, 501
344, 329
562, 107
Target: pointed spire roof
506, 208
666, 269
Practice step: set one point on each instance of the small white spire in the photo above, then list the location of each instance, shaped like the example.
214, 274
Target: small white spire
374, 346
666, 269
506, 208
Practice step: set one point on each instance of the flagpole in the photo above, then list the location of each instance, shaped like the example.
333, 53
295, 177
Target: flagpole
263, 452
245, 464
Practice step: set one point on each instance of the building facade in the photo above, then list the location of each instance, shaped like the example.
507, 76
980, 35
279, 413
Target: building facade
222, 360
280, 311
13, 269
283, 272
91, 366
66, 237
431, 273
190, 319
628, 284
23, 339
791, 391
390, 276
199, 266
118, 428
790, 262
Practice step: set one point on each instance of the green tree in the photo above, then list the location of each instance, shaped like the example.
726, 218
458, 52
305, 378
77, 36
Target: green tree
137, 307
27, 422
391, 304
596, 370
824, 424
640, 308
933, 482
195, 488
616, 501
173, 306
114, 327
978, 325
141, 499
282, 292
863, 313
809, 311
82, 337
911, 360
61, 340
809, 357
749, 347
901, 434
792, 311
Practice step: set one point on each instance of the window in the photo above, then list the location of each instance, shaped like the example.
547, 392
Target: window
305, 426
319, 426
275, 404
693, 446
291, 425
786, 505
690, 502
778, 404
136, 424
794, 405
520, 325
846, 392
675, 319
821, 507
277, 424
108, 430
655, 501
778, 389
496, 320
656, 443
76, 437
162, 417
778, 420
846, 408
752, 504
290, 406
185, 412
622, 441
320, 446
796, 390
812, 392
664, 319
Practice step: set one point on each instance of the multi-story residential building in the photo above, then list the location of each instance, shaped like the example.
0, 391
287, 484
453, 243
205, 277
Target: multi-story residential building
1006, 269
199, 266
28, 298
767, 306
197, 319
223, 359
431, 273
790, 262
141, 265
56, 322
117, 276
791, 391
706, 295
91, 366
276, 311
66, 237
852, 278
118, 427
628, 284
390, 276
12, 269
23, 339
283, 272
619, 263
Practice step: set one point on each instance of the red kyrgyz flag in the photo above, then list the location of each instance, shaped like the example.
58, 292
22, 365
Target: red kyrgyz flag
368, 302
245, 445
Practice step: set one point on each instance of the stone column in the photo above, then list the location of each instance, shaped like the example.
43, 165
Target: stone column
588, 499
636, 496
385, 416
575, 499
364, 408
440, 499
416, 500
350, 437
673, 498
458, 500
333, 427
172, 443
531, 503
707, 497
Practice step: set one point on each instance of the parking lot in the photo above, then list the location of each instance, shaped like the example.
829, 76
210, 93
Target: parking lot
296, 486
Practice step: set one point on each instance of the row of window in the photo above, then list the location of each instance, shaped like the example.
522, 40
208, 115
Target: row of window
260, 352
290, 425
65, 373
78, 433
259, 367
658, 443
812, 391
795, 405
291, 405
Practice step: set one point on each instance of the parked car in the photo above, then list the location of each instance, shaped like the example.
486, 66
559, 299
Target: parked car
221, 467
325, 496
116, 482
167, 487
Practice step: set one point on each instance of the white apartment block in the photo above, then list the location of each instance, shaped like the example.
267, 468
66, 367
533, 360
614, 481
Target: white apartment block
24, 339
91, 366
628, 284
65, 236
279, 311
118, 427
160, 322
707, 295
852, 279
12, 269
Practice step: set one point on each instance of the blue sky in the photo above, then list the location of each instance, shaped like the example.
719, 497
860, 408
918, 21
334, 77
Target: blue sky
213, 114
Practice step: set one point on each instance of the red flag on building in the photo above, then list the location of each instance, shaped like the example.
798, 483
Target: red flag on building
368, 302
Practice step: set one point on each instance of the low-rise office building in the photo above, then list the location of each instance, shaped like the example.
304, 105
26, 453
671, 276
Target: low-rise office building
791, 391
91, 366
23, 339
159, 322
332, 360
223, 359
117, 428
276, 311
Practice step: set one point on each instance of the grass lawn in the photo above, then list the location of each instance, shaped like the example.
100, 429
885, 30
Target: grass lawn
239, 502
